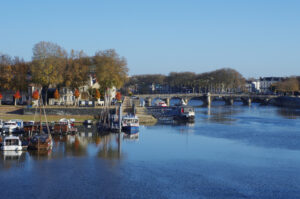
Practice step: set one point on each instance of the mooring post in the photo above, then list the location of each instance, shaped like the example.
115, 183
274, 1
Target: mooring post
120, 118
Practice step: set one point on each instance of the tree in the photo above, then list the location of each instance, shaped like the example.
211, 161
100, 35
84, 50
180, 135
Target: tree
20, 71
5, 71
35, 95
290, 85
48, 64
97, 94
17, 96
118, 96
111, 69
56, 94
76, 94
76, 71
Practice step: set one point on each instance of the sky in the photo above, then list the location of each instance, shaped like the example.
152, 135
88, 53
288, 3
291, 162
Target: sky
255, 37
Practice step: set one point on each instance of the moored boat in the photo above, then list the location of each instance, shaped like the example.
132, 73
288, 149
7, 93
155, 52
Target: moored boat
65, 126
130, 124
40, 142
160, 103
11, 143
43, 139
10, 127
186, 113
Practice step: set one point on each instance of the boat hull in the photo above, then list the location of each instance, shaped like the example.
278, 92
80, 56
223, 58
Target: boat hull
40, 143
11, 148
131, 129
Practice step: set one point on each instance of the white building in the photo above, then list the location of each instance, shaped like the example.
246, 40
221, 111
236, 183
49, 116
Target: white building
266, 82
253, 86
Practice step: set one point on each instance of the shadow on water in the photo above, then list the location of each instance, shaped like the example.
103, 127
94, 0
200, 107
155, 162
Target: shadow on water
86, 143
11, 159
219, 114
289, 113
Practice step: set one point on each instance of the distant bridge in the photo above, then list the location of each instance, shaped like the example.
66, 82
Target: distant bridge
207, 98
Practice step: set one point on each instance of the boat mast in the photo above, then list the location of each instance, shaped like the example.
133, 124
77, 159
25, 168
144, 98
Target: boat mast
40, 118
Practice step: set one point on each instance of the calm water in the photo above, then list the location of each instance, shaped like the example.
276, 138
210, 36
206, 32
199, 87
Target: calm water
229, 152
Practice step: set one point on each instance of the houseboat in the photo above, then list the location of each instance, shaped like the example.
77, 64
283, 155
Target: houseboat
130, 124
11, 143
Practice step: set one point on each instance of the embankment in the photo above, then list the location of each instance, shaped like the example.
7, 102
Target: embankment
285, 101
67, 111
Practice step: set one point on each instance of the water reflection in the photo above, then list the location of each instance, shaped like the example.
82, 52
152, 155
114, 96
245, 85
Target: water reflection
219, 114
104, 146
131, 137
10, 159
289, 113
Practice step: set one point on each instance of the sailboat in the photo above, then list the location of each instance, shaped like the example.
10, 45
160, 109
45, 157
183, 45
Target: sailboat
42, 140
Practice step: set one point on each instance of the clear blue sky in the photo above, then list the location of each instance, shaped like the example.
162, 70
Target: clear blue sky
255, 37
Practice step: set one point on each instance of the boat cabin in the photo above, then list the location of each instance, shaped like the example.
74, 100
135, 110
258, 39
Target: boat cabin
11, 143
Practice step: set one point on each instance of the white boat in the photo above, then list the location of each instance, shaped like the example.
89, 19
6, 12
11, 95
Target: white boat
181, 103
11, 143
1, 124
130, 124
10, 127
160, 103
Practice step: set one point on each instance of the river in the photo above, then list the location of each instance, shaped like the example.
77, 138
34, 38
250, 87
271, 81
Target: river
229, 152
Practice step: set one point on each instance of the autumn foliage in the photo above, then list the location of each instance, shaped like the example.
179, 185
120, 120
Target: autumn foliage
118, 96
35, 95
56, 94
97, 94
17, 95
76, 93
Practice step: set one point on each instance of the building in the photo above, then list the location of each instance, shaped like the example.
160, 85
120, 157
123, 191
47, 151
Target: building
266, 82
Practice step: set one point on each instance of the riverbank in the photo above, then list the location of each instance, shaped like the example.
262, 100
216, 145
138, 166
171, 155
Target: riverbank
80, 114
286, 101
16, 112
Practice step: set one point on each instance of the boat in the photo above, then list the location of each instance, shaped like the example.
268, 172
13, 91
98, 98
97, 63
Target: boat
29, 127
181, 103
1, 124
175, 113
186, 113
110, 123
65, 126
11, 143
42, 140
160, 103
130, 124
10, 127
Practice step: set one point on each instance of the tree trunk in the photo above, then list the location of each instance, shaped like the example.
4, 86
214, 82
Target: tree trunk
46, 102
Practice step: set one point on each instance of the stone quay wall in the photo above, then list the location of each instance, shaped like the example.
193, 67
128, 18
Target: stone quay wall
67, 111
285, 101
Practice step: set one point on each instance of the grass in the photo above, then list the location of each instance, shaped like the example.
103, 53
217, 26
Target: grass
55, 118
15, 112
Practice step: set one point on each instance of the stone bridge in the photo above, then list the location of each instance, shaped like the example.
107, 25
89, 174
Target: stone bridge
207, 98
